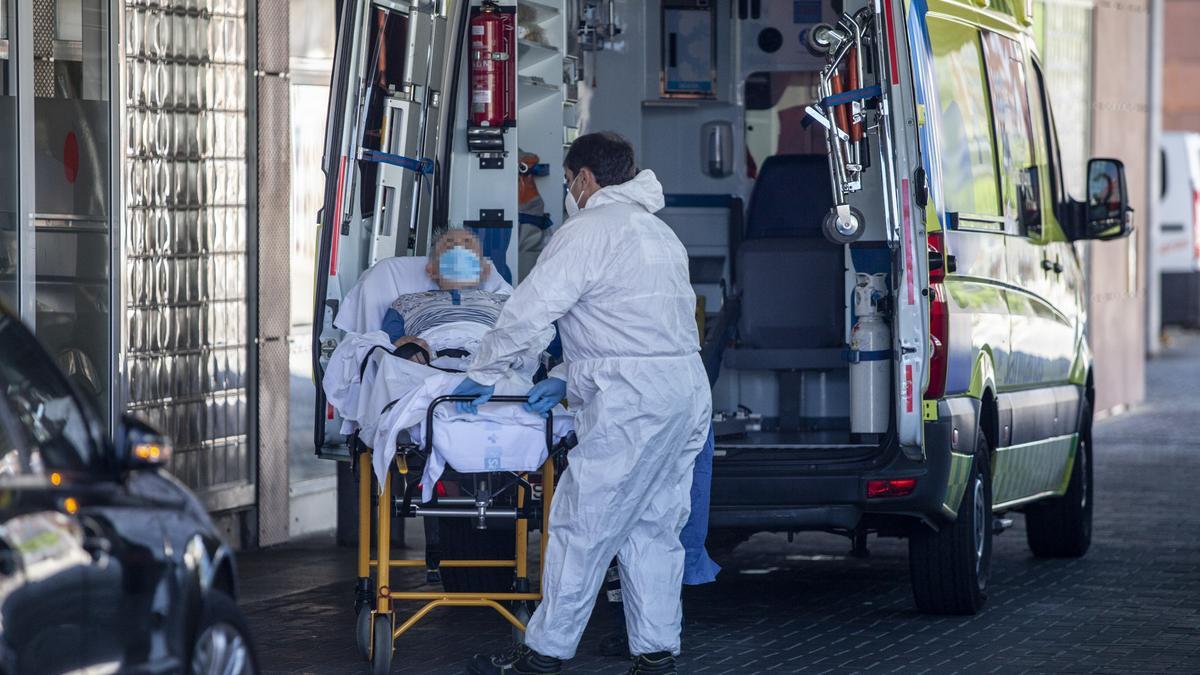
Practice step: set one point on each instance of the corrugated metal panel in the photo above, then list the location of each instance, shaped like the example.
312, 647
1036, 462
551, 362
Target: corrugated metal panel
186, 240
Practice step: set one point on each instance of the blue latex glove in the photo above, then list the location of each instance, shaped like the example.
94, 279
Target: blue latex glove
470, 387
545, 394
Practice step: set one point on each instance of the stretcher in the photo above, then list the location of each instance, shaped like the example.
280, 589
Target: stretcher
375, 600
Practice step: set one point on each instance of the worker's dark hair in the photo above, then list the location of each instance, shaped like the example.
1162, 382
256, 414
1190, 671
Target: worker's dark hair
607, 154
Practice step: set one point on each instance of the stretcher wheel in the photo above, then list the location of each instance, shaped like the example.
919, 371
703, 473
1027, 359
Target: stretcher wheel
523, 611
381, 659
840, 232
362, 632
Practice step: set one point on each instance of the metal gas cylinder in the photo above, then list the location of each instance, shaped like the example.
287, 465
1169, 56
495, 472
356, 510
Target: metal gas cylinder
870, 358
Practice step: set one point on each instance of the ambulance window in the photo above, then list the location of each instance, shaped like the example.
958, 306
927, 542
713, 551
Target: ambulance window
775, 103
388, 45
965, 124
1054, 159
1019, 177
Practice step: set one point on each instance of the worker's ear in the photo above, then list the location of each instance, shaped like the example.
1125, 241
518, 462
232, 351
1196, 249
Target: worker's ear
588, 185
588, 179
431, 266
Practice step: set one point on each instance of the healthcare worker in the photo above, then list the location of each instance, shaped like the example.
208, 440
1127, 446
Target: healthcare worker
615, 278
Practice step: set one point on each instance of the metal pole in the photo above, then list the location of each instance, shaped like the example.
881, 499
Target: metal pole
1153, 177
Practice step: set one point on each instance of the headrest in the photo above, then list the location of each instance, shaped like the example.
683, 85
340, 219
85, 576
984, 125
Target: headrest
791, 197
363, 307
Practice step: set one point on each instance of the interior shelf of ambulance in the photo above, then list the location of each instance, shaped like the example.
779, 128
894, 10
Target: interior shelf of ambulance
532, 90
532, 53
544, 10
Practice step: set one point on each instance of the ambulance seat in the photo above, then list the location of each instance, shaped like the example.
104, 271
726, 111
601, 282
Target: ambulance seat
791, 279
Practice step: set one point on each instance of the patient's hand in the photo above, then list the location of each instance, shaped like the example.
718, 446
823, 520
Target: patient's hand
412, 340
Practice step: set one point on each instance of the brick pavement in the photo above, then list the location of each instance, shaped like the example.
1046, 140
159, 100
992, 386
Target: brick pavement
1133, 604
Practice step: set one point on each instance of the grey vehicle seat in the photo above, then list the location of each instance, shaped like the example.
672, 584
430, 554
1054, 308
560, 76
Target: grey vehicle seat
790, 277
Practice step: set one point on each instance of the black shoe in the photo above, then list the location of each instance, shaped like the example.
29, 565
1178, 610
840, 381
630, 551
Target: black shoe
658, 663
516, 660
615, 645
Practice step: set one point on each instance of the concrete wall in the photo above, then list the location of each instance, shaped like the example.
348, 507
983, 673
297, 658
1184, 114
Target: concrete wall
1181, 66
1120, 124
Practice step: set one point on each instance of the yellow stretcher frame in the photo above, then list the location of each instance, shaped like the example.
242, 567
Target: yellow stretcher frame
382, 564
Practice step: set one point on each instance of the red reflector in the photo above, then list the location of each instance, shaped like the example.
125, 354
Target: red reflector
329, 411
440, 489
896, 487
891, 39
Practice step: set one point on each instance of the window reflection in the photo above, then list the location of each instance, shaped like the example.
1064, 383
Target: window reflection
8, 160
45, 412
72, 187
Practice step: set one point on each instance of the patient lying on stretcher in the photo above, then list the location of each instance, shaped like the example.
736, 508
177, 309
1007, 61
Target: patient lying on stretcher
441, 327
433, 331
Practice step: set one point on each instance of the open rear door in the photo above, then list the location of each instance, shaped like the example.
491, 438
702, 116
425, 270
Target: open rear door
393, 62
903, 99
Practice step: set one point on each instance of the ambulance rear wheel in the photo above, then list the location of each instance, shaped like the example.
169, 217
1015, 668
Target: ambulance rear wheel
950, 567
462, 541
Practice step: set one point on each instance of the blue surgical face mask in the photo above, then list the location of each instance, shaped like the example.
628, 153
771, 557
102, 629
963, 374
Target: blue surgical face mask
459, 265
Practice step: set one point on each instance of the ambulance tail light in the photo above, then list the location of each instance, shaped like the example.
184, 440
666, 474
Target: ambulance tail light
939, 319
895, 487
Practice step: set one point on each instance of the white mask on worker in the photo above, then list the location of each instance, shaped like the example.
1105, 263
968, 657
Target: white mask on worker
569, 201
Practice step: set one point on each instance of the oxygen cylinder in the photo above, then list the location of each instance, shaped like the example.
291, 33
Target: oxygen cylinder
870, 358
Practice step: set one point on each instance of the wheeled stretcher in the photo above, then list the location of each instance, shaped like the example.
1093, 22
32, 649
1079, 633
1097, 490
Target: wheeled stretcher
375, 601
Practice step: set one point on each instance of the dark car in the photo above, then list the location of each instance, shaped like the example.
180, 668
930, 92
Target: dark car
107, 562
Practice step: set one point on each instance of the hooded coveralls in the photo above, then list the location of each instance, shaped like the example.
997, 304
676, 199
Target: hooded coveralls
615, 277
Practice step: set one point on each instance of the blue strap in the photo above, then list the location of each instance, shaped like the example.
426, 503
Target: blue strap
542, 169
541, 222
852, 95
860, 356
422, 166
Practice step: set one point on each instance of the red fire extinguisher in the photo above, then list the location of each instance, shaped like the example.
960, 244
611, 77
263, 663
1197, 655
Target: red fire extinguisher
493, 62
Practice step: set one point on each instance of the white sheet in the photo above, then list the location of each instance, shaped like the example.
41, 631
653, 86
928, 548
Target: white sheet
342, 382
502, 437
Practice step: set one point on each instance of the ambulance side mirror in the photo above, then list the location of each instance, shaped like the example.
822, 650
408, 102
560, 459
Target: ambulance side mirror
1106, 213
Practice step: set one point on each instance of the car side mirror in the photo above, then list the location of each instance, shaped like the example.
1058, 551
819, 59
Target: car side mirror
141, 446
1107, 214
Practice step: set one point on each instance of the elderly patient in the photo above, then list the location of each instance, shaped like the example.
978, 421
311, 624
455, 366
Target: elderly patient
441, 327
432, 319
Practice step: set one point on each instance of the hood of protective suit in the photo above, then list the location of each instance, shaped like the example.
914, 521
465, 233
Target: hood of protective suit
644, 190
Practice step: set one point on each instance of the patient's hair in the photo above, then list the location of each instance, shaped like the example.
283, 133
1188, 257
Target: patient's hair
606, 153
462, 235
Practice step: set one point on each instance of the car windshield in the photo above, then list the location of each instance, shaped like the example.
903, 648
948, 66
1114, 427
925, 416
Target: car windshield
42, 403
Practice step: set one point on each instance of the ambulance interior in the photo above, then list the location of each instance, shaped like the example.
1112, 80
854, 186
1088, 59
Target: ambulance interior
713, 95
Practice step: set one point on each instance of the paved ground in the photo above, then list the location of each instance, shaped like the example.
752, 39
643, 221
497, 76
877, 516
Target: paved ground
1133, 604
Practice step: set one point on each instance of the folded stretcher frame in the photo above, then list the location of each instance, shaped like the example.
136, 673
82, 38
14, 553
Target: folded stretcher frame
374, 601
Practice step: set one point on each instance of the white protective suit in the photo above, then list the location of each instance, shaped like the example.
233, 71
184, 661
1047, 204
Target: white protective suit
615, 278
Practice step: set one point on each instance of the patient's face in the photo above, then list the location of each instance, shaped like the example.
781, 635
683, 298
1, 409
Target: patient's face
458, 262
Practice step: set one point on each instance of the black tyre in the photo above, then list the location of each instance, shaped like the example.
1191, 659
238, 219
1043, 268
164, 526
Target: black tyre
950, 567
1061, 527
523, 611
462, 541
362, 632
222, 643
383, 646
